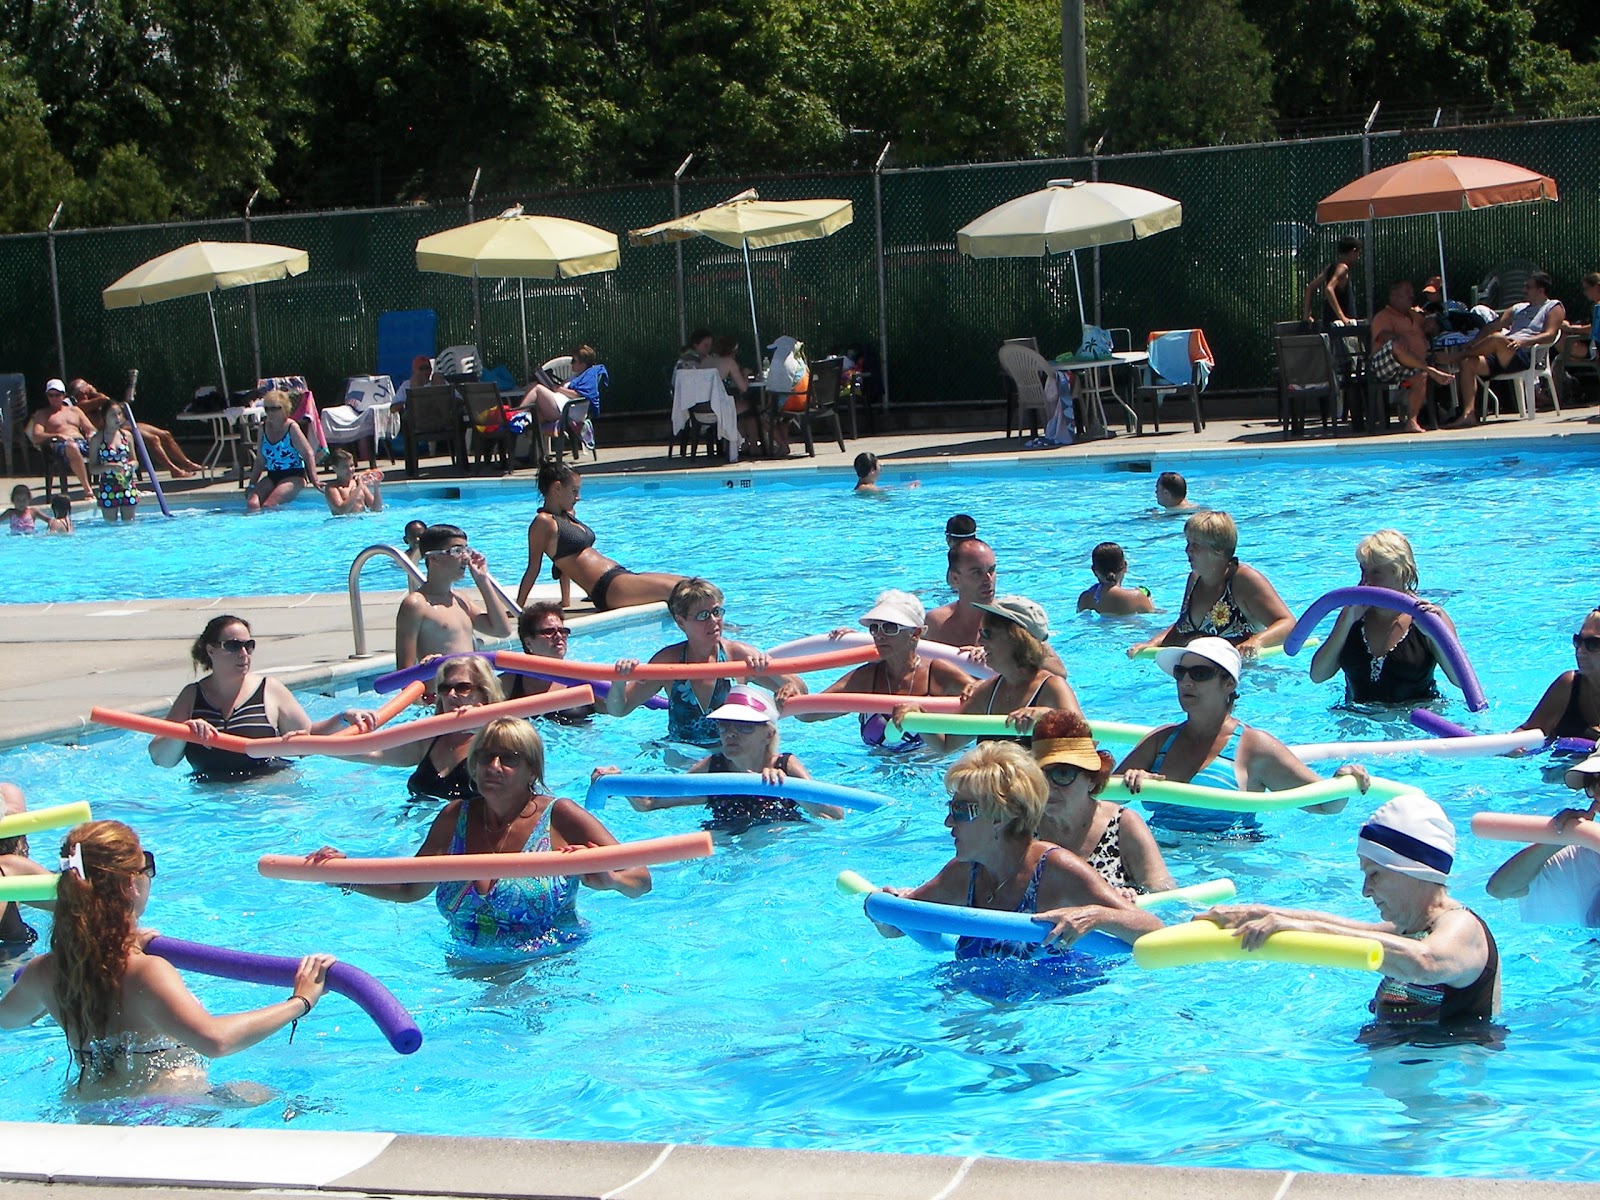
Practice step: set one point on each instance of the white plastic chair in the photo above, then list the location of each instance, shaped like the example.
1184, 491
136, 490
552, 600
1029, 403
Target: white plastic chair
1524, 383
457, 360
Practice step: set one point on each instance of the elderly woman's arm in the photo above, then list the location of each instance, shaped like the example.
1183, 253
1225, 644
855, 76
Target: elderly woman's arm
1325, 662
1265, 609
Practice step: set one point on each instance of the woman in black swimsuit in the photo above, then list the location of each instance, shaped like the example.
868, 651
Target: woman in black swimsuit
441, 764
1570, 706
1386, 657
233, 699
555, 533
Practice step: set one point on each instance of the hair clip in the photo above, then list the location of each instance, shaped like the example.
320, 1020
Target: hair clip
74, 861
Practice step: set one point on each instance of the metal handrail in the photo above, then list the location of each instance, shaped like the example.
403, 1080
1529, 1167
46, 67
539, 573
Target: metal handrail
358, 622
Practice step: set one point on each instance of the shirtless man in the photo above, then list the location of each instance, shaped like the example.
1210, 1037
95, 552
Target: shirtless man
1400, 351
972, 573
433, 619
65, 429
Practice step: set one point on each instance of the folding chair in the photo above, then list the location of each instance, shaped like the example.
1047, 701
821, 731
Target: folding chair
822, 402
1305, 369
434, 414
1180, 365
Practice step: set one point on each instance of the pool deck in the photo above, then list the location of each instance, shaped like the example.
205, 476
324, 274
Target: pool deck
57, 660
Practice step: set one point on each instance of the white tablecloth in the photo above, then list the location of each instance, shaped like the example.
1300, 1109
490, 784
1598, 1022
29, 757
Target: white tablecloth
691, 387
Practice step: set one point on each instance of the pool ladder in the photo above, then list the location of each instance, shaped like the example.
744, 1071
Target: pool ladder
358, 621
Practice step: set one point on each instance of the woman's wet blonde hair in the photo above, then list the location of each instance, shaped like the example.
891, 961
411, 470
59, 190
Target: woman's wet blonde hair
1389, 548
1005, 782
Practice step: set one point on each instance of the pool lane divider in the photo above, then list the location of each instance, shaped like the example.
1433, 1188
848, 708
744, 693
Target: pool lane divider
1202, 941
377, 1001
464, 868
347, 742
737, 783
1438, 631
37, 820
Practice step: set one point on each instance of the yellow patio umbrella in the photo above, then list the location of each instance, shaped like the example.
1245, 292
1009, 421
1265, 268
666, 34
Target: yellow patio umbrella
205, 267
746, 220
518, 245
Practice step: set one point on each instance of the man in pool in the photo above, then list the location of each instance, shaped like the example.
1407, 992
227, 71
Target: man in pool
972, 572
59, 428
433, 619
1440, 962
1172, 494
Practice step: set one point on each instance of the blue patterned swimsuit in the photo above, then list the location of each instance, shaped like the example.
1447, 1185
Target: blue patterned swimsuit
515, 913
980, 947
686, 719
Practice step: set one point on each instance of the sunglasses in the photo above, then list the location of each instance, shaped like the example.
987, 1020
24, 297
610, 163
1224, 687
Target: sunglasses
713, 613
1591, 644
460, 687
887, 628
509, 759
555, 631
1200, 674
234, 645
963, 810
1062, 774
149, 868
274, 408
452, 551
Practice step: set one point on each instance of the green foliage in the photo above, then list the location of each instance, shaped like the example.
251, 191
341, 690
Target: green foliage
1194, 74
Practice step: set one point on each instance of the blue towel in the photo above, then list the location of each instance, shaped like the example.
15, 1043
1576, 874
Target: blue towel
1170, 361
587, 384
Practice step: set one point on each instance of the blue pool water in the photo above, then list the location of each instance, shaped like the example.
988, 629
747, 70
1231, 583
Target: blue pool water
745, 1002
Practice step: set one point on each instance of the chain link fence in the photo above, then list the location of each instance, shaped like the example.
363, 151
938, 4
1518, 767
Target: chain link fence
1248, 246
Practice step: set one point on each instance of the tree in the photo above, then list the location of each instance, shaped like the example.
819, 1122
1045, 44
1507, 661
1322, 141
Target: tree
33, 177
1194, 74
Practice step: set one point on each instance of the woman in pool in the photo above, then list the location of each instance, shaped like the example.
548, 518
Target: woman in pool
696, 607
1441, 967
131, 1023
542, 629
1386, 657
510, 813
1223, 597
1013, 635
747, 724
24, 517
997, 799
896, 623
1213, 748
1570, 706
1112, 839
16, 935
234, 699
441, 771
283, 459
555, 533
117, 495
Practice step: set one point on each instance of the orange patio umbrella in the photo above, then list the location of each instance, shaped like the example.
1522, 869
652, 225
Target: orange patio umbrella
1435, 181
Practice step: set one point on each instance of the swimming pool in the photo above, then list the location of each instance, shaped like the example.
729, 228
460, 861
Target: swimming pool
745, 1002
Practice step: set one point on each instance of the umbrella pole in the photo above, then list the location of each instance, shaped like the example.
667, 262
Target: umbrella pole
750, 282
1077, 282
222, 371
522, 303
1444, 286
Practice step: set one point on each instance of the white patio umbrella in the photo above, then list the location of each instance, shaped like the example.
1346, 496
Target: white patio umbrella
746, 220
1068, 215
205, 267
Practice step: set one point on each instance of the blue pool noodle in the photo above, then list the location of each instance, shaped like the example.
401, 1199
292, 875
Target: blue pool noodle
807, 791
906, 915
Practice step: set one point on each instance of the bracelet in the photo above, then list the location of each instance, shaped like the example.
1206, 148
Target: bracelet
294, 1025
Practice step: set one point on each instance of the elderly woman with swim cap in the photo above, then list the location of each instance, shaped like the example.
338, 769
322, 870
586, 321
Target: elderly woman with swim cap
1214, 748
1013, 634
1112, 839
1440, 962
131, 1023
1570, 706
1223, 597
997, 799
747, 723
511, 813
1386, 657
896, 624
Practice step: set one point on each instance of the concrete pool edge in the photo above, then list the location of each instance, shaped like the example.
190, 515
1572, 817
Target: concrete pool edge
86, 1160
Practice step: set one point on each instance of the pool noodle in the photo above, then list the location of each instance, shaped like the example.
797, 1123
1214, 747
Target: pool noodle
1476, 746
927, 649
463, 868
424, 672
348, 743
1119, 731
1572, 745
59, 816
865, 702
1203, 942
964, 724
28, 887
602, 689
1437, 630
661, 672
1429, 721
1264, 652
852, 883
806, 791
1189, 795
1509, 827
390, 709
978, 922
377, 1001
144, 453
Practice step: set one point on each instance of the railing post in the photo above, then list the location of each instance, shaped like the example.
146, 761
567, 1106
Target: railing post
883, 290
55, 287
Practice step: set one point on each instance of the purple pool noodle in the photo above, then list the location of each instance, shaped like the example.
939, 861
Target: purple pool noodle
1572, 745
144, 461
1429, 721
377, 1001
1398, 602
395, 680
601, 687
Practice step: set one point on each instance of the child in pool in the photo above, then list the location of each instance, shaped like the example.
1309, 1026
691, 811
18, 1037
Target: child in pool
1108, 597
351, 493
867, 471
23, 516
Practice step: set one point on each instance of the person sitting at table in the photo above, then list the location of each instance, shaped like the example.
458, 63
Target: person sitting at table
724, 362
693, 356
1400, 351
162, 446
547, 404
1505, 345
422, 375
1583, 341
